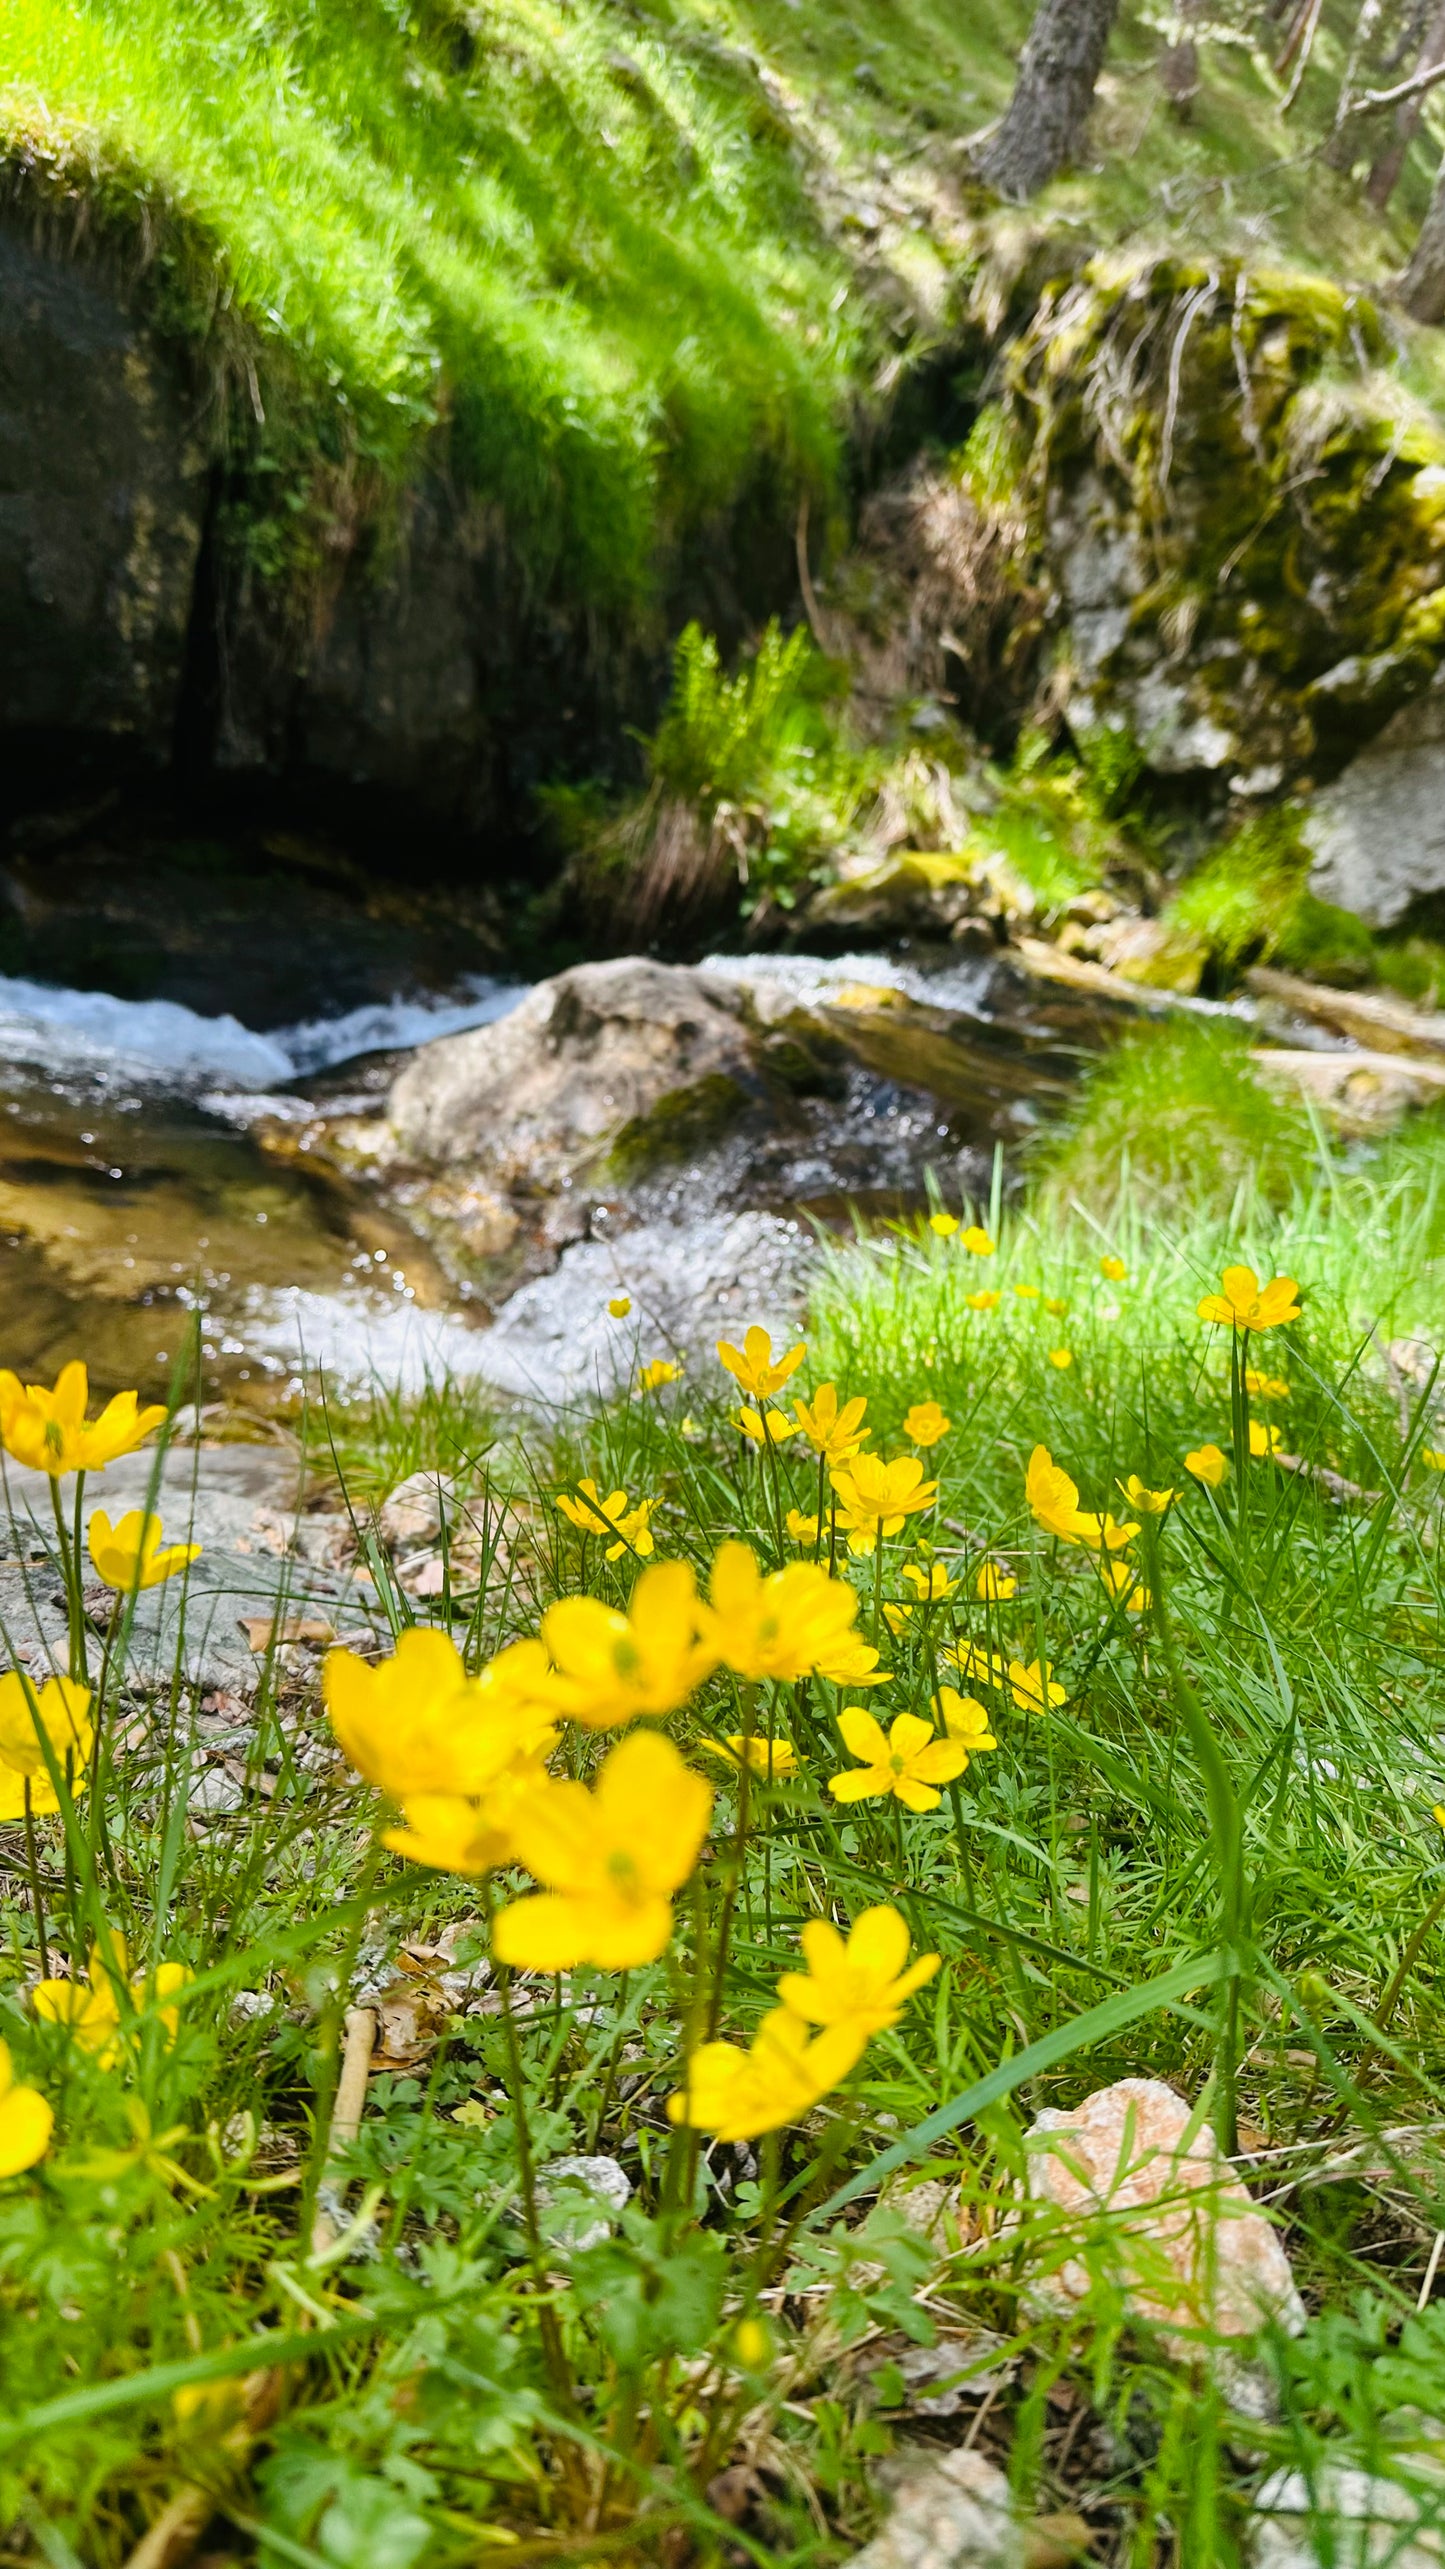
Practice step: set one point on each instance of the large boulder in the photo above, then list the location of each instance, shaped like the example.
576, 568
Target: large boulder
601, 1060
1378, 832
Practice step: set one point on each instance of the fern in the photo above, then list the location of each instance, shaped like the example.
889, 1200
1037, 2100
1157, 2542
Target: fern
721, 738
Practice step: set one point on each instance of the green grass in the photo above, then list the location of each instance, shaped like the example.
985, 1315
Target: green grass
1254, 1757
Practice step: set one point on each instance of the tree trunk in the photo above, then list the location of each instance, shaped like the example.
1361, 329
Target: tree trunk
1043, 128
1384, 177
1422, 288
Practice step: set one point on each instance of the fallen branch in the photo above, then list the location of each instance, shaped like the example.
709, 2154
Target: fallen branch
347, 2111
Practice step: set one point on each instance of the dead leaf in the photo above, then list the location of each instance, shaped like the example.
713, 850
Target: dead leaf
262, 1630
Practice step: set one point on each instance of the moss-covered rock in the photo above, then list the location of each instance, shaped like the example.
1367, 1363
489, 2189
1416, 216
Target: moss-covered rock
1243, 514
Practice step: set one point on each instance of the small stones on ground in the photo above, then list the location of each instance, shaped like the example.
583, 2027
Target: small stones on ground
214, 1796
1192, 2251
412, 1517
1351, 2518
581, 2198
953, 2511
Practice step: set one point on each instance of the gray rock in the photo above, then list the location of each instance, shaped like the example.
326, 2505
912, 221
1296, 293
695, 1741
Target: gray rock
1349, 2519
214, 1797
1378, 832
412, 1515
586, 1061
581, 2198
950, 2511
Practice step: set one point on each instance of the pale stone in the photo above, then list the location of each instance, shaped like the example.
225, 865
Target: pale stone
1147, 951
1360, 1092
1350, 2518
1378, 832
412, 1515
1191, 2251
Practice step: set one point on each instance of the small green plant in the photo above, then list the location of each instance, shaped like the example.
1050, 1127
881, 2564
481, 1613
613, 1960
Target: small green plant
1250, 901
1177, 1114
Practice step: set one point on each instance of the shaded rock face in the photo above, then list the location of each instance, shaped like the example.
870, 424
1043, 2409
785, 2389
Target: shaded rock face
1378, 832
102, 499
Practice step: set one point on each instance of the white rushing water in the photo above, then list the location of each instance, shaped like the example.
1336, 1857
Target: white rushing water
87, 1034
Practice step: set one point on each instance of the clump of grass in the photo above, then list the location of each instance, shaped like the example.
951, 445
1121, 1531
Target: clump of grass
1250, 902
1176, 1115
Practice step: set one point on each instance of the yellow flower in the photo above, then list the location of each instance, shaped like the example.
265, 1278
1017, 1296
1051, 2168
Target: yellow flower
473, 1834
1262, 1440
986, 1666
620, 1305
1265, 1386
1438, 1813
907, 1761
417, 1725
612, 1667
739, 2094
774, 1759
850, 1662
994, 1586
1028, 1293
989, 1300
61, 1711
1062, 1357
593, 1514
1148, 1502
977, 1242
803, 1529
130, 1555
1208, 1464
1244, 1304
832, 1432
752, 2346
863, 1982
926, 1424
753, 1366
1055, 1304
652, 1377
1034, 1687
26, 2122
610, 1861
49, 1431
1054, 1501
766, 1426
782, 1625
92, 2008
1114, 1269
878, 1498
898, 1619
1436, 1461
931, 1582
945, 1224
1122, 1580
964, 1719
688, 1427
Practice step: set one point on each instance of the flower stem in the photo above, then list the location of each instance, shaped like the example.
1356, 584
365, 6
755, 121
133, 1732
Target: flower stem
32, 1862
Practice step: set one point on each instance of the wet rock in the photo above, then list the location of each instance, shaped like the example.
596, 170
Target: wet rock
1365, 1017
1360, 1092
1378, 832
609, 1057
1146, 951
1193, 2254
953, 2511
1351, 2518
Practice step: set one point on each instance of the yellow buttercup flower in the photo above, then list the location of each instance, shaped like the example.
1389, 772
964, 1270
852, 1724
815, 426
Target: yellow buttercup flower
418, 1725
609, 1860
1033, 1687
993, 1586
876, 1498
752, 2345
471, 1834
620, 1305
1114, 1269
977, 1242
1246, 1304
1122, 1580
48, 1430
1028, 1293
908, 1761
612, 1668
834, 1433
945, 1224
651, 1377
898, 1619
1436, 1460
1263, 1440
1055, 1305
1265, 1386
964, 1719
926, 1424
986, 1666
60, 1709
1062, 1357
779, 2080
931, 1581
803, 1529
1148, 1502
864, 1982
753, 1364
780, 1625
591, 1513
130, 1553
1054, 1502
26, 2122
988, 1300
766, 1426
94, 2009
1208, 1465
774, 1759
850, 1662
